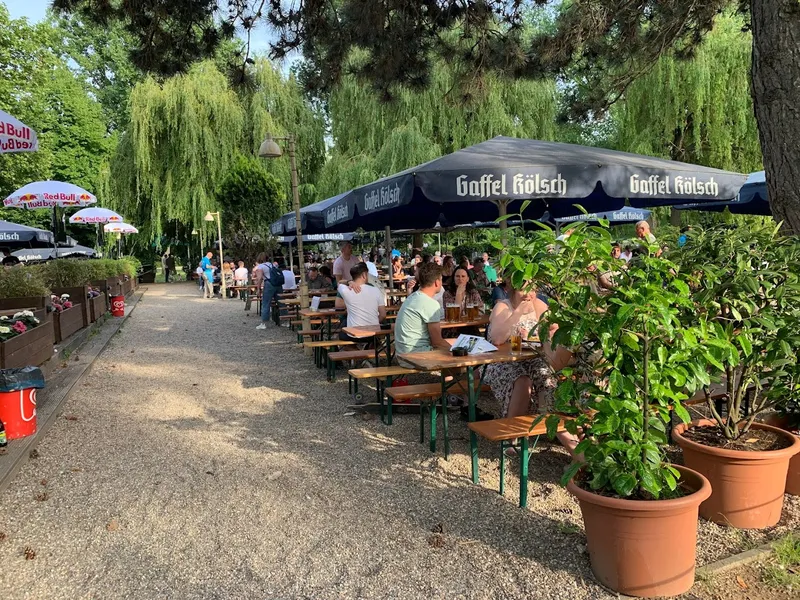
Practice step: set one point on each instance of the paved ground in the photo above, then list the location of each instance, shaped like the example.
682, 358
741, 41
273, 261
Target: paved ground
201, 458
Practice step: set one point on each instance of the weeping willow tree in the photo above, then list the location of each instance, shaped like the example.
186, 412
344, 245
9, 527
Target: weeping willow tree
277, 106
699, 110
374, 138
184, 136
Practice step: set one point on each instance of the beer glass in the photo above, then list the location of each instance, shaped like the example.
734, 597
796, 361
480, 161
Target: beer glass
516, 342
452, 312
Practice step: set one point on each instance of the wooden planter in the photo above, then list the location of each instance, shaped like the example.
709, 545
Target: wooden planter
148, 275
127, 287
79, 296
67, 322
97, 307
28, 303
33, 347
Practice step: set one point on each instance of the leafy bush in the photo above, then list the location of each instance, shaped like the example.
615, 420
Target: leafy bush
129, 265
22, 282
469, 250
104, 268
66, 273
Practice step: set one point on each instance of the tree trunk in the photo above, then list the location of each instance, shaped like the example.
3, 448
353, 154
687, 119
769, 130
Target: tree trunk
776, 100
417, 242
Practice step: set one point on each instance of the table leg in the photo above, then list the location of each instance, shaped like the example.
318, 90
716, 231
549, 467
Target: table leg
375, 341
445, 425
388, 339
523, 473
473, 438
329, 328
502, 467
433, 427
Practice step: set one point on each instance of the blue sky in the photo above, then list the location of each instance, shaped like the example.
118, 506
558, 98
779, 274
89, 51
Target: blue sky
35, 11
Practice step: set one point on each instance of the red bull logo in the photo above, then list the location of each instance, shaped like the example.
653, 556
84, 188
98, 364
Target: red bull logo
28, 197
77, 219
85, 197
114, 219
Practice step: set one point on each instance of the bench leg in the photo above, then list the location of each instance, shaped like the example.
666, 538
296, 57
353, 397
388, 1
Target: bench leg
421, 423
444, 427
433, 426
523, 473
502, 467
349, 384
355, 386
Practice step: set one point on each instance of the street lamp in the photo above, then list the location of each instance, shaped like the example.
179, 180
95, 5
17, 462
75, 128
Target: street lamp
271, 149
210, 217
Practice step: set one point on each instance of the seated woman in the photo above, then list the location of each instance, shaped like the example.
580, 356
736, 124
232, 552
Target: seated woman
525, 386
463, 292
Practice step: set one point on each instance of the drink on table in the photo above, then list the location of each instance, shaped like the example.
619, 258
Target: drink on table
452, 312
472, 312
516, 342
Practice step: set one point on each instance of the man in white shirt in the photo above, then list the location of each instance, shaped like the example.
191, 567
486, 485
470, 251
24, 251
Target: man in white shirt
241, 275
289, 280
345, 262
364, 303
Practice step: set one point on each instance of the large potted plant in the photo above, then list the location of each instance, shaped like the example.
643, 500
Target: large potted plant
634, 364
68, 280
747, 304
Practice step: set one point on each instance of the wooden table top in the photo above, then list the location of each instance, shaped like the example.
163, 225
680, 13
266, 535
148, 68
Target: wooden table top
438, 359
296, 301
307, 312
366, 331
480, 321
396, 293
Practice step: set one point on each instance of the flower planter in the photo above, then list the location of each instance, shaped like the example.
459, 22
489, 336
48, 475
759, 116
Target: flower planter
97, 307
79, 296
33, 347
793, 476
127, 287
640, 547
747, 486
27, 303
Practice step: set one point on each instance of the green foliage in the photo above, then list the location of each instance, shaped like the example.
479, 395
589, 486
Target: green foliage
65, 273
22, 282
698, 111
38, 87
250, 199
469, 250
783, 570
634, 357
746, 301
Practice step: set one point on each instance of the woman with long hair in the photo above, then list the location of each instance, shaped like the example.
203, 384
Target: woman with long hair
462, 291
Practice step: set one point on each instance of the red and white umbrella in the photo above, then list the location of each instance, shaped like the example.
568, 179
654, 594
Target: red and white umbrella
120, 228
49, 194
95, 214
15, 136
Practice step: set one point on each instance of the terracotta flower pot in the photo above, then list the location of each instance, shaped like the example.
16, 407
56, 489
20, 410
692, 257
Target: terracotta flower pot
644, 548
748, 486
793, 476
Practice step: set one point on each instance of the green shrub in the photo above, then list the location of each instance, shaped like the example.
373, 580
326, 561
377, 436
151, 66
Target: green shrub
129, 265
66, 273
469, 250
22, 282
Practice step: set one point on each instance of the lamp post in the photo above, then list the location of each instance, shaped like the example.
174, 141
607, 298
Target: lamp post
210, 217
270, 149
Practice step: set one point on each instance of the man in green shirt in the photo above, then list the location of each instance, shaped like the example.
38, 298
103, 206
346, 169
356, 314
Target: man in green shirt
417, 328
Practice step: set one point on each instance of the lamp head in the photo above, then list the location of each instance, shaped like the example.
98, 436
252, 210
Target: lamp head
270, 148
194, 231
209, 216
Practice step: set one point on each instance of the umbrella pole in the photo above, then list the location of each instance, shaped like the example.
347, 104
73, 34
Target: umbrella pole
389, 256
502, 209
291, 259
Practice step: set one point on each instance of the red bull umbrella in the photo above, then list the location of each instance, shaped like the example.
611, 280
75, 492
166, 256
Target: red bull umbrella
15, 136
49, 194
95, 214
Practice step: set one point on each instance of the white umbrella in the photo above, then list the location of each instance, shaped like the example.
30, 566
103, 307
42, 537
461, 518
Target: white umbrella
95, 214
49, 194
15, 136
119, 228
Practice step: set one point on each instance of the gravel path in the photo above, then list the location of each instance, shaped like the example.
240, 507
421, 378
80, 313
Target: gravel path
201, 458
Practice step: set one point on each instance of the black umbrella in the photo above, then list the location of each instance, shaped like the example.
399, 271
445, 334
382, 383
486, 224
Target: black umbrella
14, 235
495, 177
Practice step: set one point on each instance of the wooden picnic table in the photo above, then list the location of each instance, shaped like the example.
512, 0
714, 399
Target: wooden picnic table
443, 360
374, 332
326, 314
461, 323
296, 301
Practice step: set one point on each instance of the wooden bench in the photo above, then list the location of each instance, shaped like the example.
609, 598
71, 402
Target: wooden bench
512, 432
383, 377
342, 356
427, 394
321, 349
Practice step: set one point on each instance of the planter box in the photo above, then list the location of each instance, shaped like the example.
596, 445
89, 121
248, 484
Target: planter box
127, 287
33, 347
29, 302
67, 322
147, 275
79, 296
97, 307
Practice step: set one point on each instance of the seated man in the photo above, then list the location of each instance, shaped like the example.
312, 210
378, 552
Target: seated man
364, 303
315, 280
418, 328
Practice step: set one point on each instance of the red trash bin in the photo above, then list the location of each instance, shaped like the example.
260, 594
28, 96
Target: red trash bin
18, 412
117, 306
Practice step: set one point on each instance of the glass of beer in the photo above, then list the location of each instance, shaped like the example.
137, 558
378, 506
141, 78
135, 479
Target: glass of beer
516, 342
472, 311
452, 312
